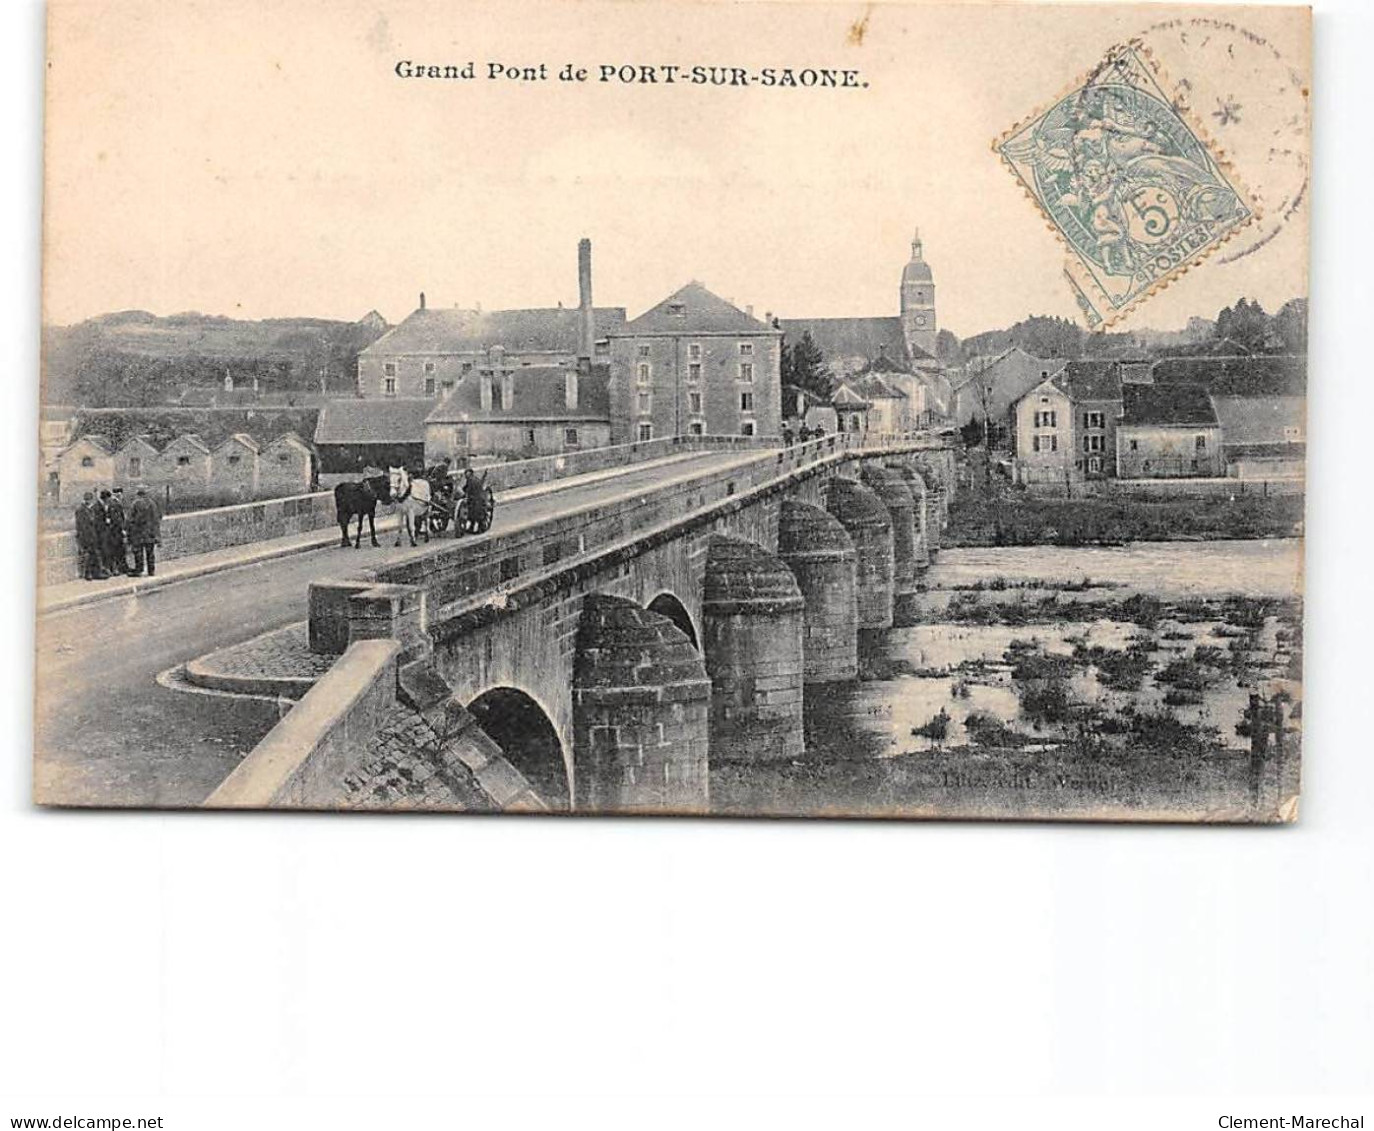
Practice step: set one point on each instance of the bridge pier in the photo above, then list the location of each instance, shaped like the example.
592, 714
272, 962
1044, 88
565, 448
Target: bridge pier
869, 526
921, 510
815, 547
752, 628
641, 705
938, 472
892, 492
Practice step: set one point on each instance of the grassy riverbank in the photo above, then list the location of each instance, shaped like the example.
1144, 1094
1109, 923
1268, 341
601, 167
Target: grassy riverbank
990, 512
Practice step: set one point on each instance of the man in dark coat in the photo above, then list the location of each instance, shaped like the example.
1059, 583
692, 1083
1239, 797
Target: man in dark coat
474, 491
116, 522
88, 540
145, 532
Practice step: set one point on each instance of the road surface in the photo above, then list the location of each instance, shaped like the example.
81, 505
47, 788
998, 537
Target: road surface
107, 734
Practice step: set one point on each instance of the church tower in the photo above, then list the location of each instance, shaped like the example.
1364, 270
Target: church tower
918, 302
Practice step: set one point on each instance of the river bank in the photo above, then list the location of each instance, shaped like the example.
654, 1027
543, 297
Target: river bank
1082, 683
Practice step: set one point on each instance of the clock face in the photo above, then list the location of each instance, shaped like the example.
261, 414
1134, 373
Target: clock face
920, 320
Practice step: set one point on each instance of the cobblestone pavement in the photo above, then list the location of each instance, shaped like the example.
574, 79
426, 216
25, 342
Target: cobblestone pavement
282, 655
409, 768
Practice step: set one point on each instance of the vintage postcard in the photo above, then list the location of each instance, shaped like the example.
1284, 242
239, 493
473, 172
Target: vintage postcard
569, 406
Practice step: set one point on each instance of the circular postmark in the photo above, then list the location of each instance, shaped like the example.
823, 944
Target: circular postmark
1253, 103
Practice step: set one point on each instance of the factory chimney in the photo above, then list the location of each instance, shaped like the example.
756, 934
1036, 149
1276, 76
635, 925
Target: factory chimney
586, 326
422, 300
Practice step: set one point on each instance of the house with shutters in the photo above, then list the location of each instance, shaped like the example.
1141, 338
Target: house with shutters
1064, 428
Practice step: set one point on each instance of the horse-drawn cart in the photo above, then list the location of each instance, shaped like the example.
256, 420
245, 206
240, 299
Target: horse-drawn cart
449, 504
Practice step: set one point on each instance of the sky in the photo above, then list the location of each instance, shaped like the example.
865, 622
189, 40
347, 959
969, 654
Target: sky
264, 159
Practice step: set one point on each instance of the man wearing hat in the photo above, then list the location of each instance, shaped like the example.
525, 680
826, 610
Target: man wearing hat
115, 517
145, 530
88, 540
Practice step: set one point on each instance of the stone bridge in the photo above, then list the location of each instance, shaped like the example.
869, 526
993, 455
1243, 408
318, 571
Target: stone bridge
616, 653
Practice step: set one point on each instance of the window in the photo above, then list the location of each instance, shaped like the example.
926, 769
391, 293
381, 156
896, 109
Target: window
570, 437
746, 371
389, 386
643, 351
694, 351
135, 467
183, 461
429, 386
746, 402
389, 369
448, 386
1200, 443
429, 367
1135, 445
746, 349
1047, 419
646, 403
694, 403
696, 428
1093, 420
467, 367
283, 457
746, 428
529, 437
86, 461
1054, 443
1092, 443
643, 373
694, 371
1045, 443
460, 436
235, 460
1292, 435
646, 431
677, 308
1095, 464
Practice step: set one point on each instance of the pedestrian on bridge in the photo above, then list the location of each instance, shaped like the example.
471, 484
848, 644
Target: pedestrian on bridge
145, 532
117, 552
88, 539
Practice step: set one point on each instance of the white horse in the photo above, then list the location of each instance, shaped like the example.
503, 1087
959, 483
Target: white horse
411, 498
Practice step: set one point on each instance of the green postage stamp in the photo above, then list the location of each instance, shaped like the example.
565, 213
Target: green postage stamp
1131, 185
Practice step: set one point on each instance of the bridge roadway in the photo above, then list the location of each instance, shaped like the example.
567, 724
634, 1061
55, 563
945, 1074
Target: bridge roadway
107, 734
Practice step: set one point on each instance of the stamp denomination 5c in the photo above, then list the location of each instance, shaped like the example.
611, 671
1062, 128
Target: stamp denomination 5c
1128, 181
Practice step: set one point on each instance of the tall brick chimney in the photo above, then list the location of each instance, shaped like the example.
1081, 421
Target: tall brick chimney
586, 326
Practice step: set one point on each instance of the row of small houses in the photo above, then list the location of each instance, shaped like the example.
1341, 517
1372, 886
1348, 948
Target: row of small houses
1085, 422
237, 469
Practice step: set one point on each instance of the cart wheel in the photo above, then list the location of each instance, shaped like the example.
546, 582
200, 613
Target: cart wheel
460, 519
438, 520
488, 512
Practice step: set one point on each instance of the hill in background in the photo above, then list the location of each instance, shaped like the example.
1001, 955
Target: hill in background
133, 358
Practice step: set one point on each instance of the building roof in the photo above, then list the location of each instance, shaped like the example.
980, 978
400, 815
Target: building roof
1239, 375
849, 337
884, 363
1164, 405
242, 439
138, 441
1095, 379
695, 310
845, 397
289, 439
539, 393
872, 387
1260, 420
374, 420
538, 330
188, 440
94, 439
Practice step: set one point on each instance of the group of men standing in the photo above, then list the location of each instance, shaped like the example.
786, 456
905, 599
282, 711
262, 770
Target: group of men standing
106, 532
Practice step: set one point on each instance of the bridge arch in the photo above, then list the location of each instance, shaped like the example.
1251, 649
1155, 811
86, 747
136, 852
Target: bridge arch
667, 605
522, 728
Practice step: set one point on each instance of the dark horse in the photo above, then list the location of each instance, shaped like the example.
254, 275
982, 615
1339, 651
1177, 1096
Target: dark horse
361, 499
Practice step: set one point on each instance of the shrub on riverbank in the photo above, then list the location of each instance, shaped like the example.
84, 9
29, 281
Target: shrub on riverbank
1007, 518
